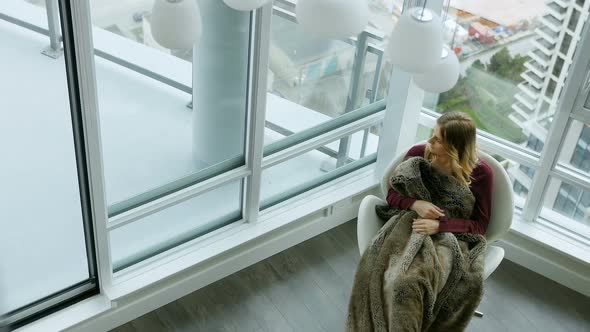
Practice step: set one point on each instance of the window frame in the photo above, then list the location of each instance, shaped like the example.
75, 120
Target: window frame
256, 160
545, 163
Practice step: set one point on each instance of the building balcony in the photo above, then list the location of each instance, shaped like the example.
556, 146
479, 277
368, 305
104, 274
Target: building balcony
556, 10
561, 3
539, 56
529, 90
518, 119
552, 22
525, 99
533, 79
522, 110
547, 33
545, 46
535, 67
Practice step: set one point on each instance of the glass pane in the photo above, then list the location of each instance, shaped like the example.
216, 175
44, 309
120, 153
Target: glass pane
521, 176
575, 150
173, 226
505, 81
423, 133
568, 205
558, 67
587, 105
573, 23
42, 239
152, 142
316, 167
565, 43
310, 78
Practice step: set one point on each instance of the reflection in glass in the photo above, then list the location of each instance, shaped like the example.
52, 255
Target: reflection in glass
311, 78
575, 151
310, 72
569, 201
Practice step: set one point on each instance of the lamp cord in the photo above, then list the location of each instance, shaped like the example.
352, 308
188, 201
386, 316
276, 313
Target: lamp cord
423, 7
446, 10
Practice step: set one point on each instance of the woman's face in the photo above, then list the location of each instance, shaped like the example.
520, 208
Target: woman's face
436, 145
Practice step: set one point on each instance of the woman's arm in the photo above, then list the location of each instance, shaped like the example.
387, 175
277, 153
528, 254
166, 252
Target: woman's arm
395, 200
482, 187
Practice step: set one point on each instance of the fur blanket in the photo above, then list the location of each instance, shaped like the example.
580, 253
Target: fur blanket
411, 282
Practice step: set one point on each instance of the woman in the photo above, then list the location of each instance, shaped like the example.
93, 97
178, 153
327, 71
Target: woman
451, 149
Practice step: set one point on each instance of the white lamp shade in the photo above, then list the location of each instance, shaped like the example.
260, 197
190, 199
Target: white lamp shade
442, 77
415, 46
176, 24
333, 18
245, 5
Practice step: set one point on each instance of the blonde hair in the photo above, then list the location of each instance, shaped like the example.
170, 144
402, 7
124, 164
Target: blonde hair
458, 134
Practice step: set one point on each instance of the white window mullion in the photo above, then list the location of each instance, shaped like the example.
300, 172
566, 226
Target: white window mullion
259, 54
84, 52
571, 97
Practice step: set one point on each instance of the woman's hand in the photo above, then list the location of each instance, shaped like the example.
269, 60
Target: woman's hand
425, 226
427, 210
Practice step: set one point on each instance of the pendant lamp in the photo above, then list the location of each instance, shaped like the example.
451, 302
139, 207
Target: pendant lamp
443, 76
176, 24
333, 18
416, 42
245, 5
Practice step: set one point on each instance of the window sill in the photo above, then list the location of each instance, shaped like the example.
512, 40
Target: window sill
549, 251
542, 233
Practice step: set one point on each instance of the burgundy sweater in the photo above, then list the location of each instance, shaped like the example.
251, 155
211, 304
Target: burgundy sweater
482, 186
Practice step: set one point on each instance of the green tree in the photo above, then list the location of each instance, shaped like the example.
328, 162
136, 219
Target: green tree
499, 61
477, 64
486, 93
502, 64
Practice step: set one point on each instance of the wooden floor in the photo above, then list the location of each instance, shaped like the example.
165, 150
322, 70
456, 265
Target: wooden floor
306, 288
